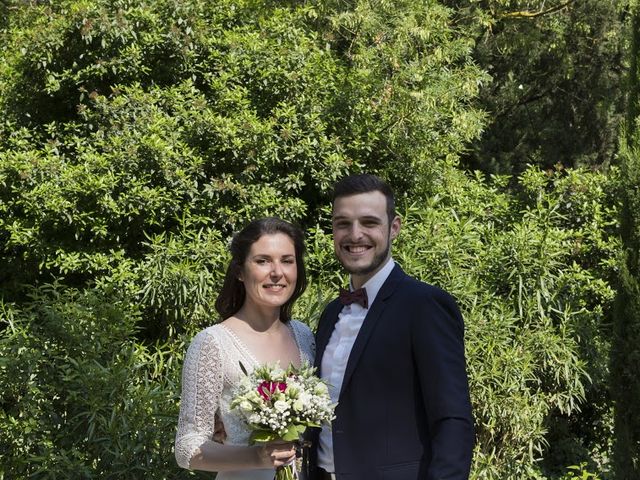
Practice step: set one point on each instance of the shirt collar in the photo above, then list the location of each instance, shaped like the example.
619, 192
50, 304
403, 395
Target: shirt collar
374, 284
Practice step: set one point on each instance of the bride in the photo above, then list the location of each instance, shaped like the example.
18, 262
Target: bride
265, 276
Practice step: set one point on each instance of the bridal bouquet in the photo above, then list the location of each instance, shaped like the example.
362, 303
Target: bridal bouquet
280, 404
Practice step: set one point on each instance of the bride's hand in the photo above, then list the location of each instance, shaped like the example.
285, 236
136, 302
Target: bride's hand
219, 433
277, 453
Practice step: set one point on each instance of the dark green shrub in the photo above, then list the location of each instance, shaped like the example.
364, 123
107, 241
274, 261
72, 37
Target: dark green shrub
626, 352
533, 275
81, 398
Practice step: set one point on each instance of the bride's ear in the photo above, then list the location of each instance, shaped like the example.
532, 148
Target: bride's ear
238, 271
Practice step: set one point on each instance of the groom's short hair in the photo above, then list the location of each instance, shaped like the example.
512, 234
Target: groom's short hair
365, 183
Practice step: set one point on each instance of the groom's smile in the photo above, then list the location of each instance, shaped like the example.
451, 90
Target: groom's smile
357, 249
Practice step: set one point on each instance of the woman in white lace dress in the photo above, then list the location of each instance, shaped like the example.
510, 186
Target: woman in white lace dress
265, 276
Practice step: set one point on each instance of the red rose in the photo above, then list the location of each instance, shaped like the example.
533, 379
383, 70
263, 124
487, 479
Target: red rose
267, 389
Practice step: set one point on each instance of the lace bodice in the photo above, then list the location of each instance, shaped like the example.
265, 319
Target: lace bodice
210, 374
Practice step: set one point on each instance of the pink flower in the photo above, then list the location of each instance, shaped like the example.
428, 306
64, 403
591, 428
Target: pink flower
266, 389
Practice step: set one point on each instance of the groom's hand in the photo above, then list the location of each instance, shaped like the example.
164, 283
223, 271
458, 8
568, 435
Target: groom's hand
277, 453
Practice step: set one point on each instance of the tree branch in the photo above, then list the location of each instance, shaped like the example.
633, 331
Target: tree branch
540, 13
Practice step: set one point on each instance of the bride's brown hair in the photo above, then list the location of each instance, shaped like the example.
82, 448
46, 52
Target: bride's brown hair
232, 294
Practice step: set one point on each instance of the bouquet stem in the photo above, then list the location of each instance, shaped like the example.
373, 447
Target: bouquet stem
286, 472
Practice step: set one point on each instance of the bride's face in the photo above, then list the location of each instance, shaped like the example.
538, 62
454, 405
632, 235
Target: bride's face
270, 272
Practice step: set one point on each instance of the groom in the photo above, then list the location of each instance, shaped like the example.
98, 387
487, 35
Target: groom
392, 350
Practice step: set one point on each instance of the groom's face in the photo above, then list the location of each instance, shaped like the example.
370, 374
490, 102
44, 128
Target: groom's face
362, 233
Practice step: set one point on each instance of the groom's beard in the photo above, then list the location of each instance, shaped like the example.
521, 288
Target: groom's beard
375, 263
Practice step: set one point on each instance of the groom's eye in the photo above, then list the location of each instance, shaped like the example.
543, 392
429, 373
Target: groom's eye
371, 222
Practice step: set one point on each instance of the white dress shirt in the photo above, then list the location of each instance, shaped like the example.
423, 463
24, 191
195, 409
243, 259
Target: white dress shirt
336, 354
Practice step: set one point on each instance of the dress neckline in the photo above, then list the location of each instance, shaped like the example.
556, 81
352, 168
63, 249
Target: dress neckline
247, 351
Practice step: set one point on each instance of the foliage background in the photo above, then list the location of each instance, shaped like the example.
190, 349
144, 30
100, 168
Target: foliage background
137, 136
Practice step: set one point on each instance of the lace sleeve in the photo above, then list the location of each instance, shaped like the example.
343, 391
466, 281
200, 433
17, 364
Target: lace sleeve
202, 383
306, 340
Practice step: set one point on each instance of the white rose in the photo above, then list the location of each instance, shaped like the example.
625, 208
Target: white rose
246, 406
305, 398
281, 405
254, 418
321, 389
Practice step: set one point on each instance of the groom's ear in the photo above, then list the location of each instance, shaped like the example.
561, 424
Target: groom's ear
394, 228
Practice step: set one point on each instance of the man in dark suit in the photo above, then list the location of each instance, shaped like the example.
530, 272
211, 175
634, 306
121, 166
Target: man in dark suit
392, 350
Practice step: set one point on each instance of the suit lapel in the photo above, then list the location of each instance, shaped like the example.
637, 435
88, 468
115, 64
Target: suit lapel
370, 322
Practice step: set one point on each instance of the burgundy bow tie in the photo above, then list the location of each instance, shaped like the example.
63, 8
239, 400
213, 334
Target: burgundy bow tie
358, 296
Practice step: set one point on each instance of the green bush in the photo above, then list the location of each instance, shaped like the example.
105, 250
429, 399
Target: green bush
532, 274
626, 353
130, 119
81, 397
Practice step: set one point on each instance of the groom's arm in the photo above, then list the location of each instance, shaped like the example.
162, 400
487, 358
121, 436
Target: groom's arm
438, 346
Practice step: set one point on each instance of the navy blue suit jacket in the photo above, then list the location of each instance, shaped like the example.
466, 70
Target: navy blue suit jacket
404, 411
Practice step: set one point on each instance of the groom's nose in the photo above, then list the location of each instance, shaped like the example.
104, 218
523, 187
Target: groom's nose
356, 231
